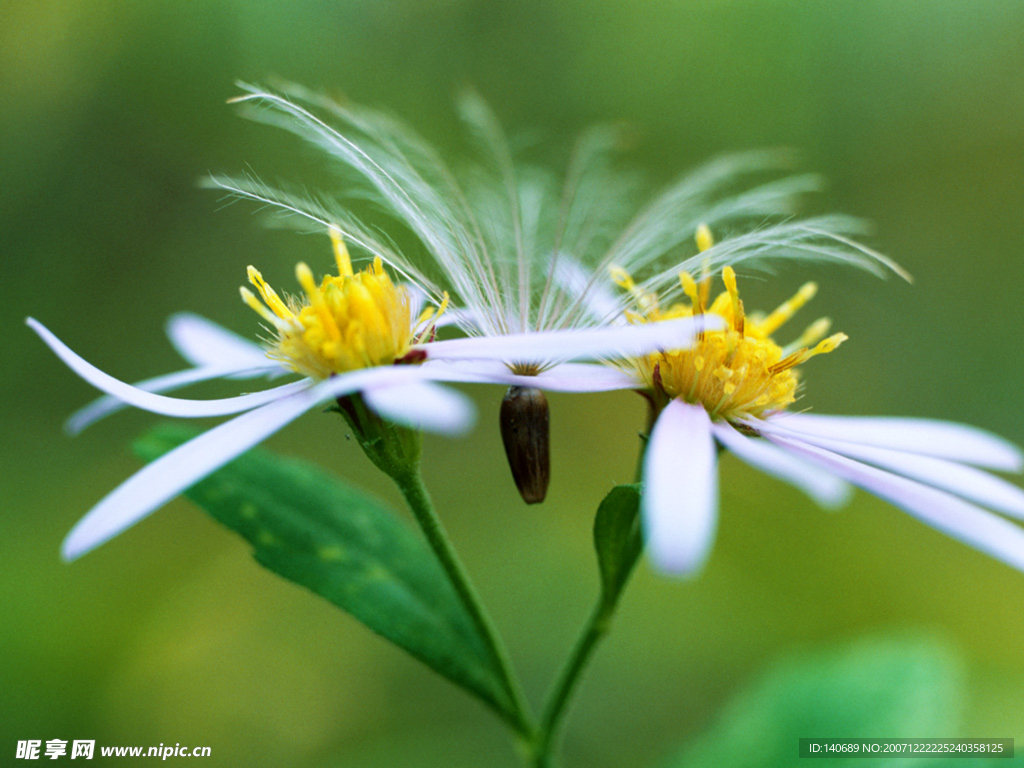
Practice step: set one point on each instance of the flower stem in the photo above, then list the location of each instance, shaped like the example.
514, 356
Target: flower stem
555, 709
410, 483
593, 632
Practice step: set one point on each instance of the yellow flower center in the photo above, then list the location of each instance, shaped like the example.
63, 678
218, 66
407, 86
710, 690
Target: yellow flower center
349, 321
737, 372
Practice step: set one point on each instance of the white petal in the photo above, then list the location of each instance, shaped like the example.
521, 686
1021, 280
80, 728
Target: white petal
106, 405
423, 406
566, 377
972, 525
204, 343
825, 488
168, 406
680, 497
968, 482
929, 437
159, 482
544, 346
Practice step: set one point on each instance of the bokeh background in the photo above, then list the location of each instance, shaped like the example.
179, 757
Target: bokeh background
170, 633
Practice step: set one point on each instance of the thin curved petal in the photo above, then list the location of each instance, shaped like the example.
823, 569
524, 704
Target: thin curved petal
159, 482
168, 406
417, 299
464, 318
680, 497
824, 487
108, 404
423, 406
543, 346
567, 377
204, 343
972, 525
929, 437
959, 479
598, 302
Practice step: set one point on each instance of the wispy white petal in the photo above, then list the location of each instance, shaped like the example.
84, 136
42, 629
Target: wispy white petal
824, 487
631, 341
204, 343
464, 318
567, 377
168, 406
972, 525
106, 405
596, 300
680, 497
423, 406
944, 439
162, 480
965, 481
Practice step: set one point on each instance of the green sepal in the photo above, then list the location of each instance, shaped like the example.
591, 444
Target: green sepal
317, 531
395, 450
618, 540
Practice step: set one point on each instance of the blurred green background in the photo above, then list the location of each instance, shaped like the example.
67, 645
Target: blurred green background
170, 633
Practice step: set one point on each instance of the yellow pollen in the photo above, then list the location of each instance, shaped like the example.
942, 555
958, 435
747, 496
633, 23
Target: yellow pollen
349, 321
737, 372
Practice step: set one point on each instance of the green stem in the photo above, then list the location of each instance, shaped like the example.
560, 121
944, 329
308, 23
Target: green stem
411, 485
594, 630
555, 709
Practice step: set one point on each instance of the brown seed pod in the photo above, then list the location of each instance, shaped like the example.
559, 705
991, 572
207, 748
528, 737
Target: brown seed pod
525, 433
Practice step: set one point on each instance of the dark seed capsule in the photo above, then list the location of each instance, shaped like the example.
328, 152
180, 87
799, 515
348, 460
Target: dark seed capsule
524, 431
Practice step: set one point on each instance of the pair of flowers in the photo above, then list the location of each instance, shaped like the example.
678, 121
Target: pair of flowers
533, 301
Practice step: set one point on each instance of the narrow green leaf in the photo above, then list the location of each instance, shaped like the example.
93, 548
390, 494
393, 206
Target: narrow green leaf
319, 532
876, 688
617, 539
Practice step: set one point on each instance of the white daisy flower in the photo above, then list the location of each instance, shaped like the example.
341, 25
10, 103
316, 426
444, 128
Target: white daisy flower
522, 252
731, 391
354, 333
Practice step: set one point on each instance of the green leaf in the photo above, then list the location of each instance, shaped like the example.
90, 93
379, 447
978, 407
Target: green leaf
876, 688
319, 532
618, 540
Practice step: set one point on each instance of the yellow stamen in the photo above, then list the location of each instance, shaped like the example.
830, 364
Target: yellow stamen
621, 278
341, 257
813, 333
787, 309
737, 372
349, 321
705, 241
316, 300
705, 283
729, 278
443, 307
250, 298
802, 355
690, 289
425, 315
646, 301
269, 295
